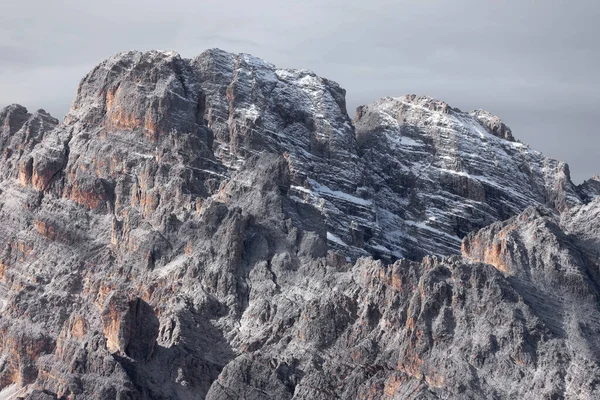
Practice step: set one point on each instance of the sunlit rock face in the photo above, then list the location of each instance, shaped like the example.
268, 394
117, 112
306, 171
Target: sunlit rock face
219, 228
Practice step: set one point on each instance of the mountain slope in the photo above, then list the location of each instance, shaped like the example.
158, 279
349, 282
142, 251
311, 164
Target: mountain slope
373, 182
438, 173
192, 230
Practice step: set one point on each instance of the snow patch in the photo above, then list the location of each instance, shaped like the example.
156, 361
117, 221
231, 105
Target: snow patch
381, 248
423, 225
146, 156
12, 392
336, 239
174, 265
251, 113
321, 189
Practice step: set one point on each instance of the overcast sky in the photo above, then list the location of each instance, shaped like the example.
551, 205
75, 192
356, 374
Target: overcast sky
533, 63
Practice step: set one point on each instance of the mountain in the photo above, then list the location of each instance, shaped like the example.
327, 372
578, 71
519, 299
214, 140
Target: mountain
220, 228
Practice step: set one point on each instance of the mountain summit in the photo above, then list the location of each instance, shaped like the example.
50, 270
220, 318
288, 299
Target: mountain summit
220, 228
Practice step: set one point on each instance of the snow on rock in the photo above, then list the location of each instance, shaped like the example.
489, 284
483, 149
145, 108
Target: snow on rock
425, 158
194, 229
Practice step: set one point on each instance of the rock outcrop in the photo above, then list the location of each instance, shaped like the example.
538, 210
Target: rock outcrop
219, 228
437, 173
376, 181
590, 189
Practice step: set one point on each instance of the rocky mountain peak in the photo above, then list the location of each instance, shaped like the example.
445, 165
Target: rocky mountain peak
12, 119
590, 188
494, 124
253, 106
427, 102
368, 179
219, 228
21, 132
153, 92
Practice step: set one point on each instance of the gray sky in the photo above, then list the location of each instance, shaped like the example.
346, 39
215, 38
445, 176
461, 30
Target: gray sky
533, 63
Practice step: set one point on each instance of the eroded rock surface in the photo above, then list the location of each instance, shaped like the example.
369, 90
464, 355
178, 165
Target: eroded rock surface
196, 229
438, 173
590, 189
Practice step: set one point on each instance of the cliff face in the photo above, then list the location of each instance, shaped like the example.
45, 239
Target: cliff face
438, 173
192, 229
410, 178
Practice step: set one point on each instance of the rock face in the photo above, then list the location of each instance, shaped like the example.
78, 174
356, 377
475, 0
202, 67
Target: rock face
195, 229
438, 173
590, 189
21, 132
377, 182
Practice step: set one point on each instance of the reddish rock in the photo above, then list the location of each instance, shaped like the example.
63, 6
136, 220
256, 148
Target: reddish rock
130, 327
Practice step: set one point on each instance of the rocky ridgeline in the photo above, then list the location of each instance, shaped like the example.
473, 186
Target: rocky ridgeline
193, 230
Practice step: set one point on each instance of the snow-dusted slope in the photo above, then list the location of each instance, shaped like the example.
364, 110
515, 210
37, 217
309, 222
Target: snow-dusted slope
253, 107
438, 173
412, 178
590, 189
189, 232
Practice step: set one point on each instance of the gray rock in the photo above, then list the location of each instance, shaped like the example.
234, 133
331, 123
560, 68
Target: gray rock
590, 189
196, 229
438, 173
21, 132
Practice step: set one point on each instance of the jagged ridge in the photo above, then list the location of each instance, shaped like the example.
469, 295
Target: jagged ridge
192, 226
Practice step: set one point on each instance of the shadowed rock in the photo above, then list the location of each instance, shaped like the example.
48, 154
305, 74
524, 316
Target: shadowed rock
130, 327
